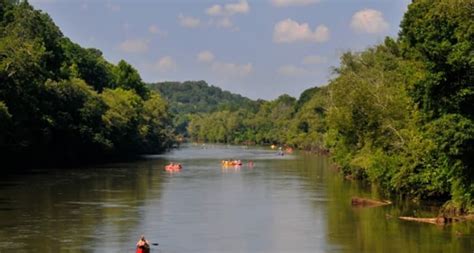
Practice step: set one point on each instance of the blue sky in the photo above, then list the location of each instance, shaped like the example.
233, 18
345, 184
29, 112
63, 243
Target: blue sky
257, 48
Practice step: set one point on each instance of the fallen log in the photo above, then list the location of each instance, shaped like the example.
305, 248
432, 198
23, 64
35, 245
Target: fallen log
438, 220
441, 220
362, 202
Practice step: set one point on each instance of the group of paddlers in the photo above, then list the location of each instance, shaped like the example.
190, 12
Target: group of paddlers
234, 163
176, 167
173, 167
231, 163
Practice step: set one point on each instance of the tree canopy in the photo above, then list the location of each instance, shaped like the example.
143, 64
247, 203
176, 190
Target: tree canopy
62, 102
193, 97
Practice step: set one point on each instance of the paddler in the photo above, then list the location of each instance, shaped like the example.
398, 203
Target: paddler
143, 246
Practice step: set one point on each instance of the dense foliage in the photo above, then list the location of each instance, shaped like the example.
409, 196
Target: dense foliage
244, 125
399, 114
281, 121
63, 102
193, 97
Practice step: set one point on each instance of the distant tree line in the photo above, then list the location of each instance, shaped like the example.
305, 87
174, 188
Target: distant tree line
399, 114
191, 97
62, 102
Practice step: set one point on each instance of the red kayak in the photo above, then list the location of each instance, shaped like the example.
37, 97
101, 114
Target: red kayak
142, 250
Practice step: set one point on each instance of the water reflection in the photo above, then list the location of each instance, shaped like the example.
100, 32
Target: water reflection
379, 230
76, 209
292, 203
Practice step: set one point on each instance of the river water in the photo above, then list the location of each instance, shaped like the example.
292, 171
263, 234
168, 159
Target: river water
292, 203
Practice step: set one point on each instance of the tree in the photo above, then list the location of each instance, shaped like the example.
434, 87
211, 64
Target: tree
309, 125
156, 126
73, 113
128, 78
122, 118
441, 34
87, 64
51, 108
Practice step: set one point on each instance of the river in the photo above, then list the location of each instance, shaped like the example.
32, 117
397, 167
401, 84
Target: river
292, 203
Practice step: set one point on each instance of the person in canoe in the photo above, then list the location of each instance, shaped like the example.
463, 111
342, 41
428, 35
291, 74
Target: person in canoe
143, 246
280, 151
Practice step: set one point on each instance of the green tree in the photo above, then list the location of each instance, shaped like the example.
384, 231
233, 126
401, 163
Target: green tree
308, 126
128, 78
122, 118
156, 128
50, 106
87, 64
73, 112
370, 111
441, 33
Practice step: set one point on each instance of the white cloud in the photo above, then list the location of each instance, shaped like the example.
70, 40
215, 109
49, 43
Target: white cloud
232, 69
230, 9
369, 21
288, 31
285, 3
154, 29
314, 59
166, 64
205, 56
134, 46
224, 12
214, 10
292, 71
188, 21
240, 7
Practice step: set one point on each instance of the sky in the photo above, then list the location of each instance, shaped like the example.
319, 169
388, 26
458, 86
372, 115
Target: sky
256, 48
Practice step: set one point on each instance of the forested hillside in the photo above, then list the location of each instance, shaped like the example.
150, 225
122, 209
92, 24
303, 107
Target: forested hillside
62, 102
193, 97
278, 121
398, 114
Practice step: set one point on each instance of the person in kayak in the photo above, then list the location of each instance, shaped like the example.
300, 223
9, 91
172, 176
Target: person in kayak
143, 246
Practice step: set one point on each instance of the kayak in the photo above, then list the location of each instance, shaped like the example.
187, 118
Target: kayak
142, 250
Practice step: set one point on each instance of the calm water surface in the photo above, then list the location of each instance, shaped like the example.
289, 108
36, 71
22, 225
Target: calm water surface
295, 203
